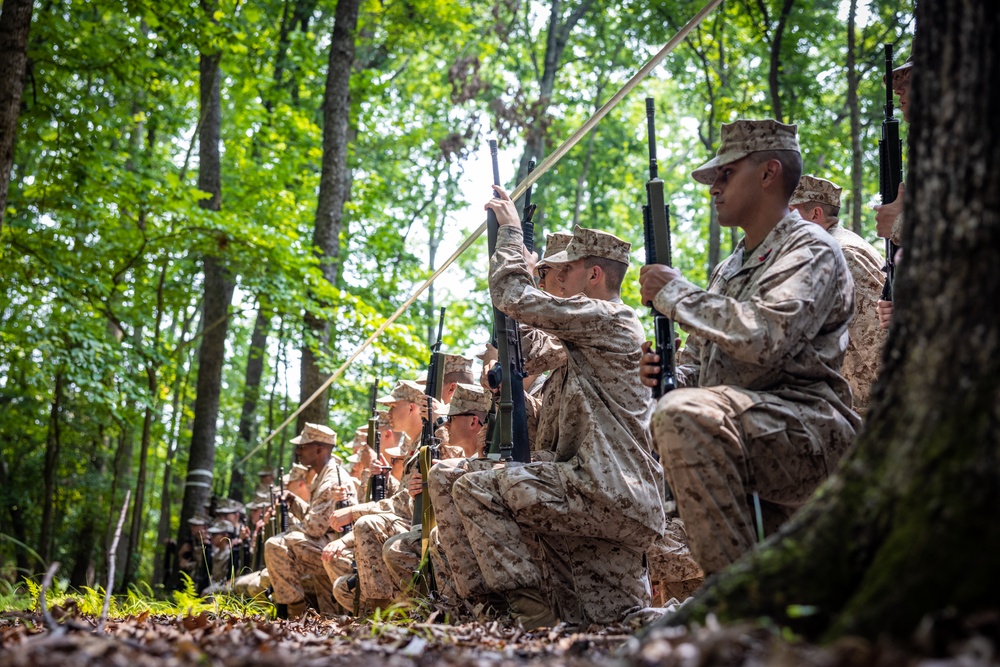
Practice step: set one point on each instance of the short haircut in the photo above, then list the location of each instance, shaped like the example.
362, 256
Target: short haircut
791, 166
829, 210
614, 271
458, 376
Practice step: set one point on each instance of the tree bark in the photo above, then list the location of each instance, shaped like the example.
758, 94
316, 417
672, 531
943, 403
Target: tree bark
251, 396
218, 290
334, 189
52, 445
907, 525
854, 106
15, 23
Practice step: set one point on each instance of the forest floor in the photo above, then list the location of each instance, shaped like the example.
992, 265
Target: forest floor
27, 640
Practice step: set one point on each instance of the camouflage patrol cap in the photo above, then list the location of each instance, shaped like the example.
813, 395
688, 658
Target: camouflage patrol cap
592, 243
469, 398
405, 391
456, 363
899, 73
199, 520
383, 419
315, 434
297, 473
221, 526
264, 472
554, 243
815, 189
228, 506
743, 137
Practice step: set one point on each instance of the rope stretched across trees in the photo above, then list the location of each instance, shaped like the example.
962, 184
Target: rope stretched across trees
529, 180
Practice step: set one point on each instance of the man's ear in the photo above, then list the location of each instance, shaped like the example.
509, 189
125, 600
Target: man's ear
771, 173
596, 273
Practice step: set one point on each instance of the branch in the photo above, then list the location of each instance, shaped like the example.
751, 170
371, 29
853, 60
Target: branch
111, 563
54, 627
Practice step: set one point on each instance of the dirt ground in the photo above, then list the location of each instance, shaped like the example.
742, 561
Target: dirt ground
26, 640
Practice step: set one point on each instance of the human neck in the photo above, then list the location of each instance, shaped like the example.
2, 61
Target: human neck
757, 230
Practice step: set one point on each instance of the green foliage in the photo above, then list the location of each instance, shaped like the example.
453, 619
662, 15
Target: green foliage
102, 253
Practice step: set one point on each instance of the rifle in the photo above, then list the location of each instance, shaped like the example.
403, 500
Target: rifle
376, 483
282, 505
656, 231
510, 432
430, 449
428, 442
890, 169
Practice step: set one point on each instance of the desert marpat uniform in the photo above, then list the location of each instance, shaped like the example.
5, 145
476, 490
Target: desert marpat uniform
761, 405
293, 558
597, 506
866, 338
374, 523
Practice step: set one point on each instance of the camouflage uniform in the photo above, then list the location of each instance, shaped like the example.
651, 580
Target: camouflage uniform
374, 523
597, 506
764, 410
865, 337
293, 558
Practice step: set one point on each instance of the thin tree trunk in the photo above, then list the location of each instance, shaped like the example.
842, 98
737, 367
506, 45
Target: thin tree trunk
334, 189
52, 447
906, 527
17, 525
218, 290
15, 23
251, 396
854, 106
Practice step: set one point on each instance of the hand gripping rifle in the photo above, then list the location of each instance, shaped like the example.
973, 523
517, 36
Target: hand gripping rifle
430, 449
656, 230
510, 433
890, 169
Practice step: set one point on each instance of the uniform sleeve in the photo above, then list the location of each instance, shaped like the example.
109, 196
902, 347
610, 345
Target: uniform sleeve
689, 362
897, 230
542, 351
514, 293
795, 294
316, 522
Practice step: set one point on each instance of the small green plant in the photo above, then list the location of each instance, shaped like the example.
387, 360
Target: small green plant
14, 596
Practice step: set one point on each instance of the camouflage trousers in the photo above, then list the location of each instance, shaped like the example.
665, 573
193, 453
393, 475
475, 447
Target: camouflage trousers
296, 569
339, 567
402, 555
452, 540
370, 535
252, 584
719, 445
672, 568
590, 579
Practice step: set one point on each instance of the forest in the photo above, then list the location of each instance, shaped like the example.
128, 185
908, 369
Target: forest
212, 205
209, 210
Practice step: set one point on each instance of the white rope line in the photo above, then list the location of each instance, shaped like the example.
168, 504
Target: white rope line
529, 180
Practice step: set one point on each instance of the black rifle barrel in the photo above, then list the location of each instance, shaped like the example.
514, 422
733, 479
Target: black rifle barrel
656, 230
890, 154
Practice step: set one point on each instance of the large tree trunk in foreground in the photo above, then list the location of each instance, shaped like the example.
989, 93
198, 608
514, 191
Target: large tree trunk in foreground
908, 525
334, 188
15, 21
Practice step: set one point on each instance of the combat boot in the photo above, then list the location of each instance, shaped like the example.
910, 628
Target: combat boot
530, 608
296, 610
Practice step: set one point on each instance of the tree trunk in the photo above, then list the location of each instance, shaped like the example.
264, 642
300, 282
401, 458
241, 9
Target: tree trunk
52, 445
857, 156
907, 525
334, 188
17, 525
15, 22
219, 288
556, 39
251, 396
